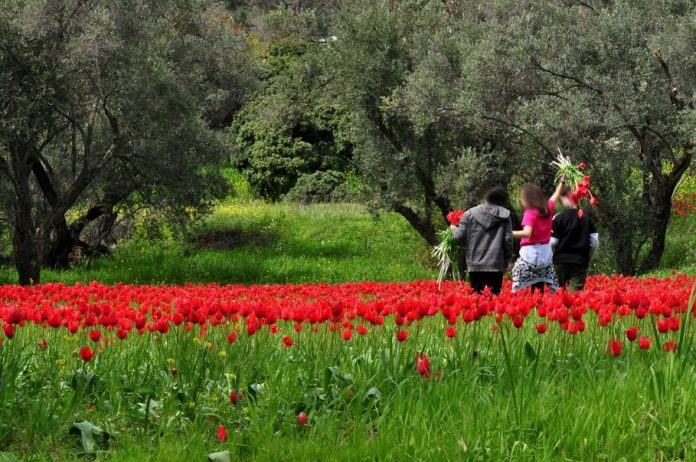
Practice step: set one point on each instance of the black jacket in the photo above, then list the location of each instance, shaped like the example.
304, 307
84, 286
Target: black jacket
573, 238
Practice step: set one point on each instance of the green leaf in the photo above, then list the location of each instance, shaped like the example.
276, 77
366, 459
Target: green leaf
529, 351
89, 435
221, 456
373, 393
256, 389
8, 457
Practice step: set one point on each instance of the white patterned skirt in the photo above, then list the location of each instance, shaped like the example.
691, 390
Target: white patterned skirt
526, 275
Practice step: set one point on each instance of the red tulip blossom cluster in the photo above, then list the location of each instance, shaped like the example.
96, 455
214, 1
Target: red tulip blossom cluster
101, 314
582, 191
455, 216
444, 251
576, 179
684, 203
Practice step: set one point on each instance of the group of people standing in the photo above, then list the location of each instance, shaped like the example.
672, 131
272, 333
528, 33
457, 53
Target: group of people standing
554, 249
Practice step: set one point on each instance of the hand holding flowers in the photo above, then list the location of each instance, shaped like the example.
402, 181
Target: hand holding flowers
444, 252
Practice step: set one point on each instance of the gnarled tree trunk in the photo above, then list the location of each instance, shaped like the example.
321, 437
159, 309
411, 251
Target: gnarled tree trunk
23, 237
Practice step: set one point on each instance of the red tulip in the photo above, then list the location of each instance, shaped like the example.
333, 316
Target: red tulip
9, 330
674, 323
615, 348
401, 335
632, 333
644, 343
362, 330
451, 332
581, 165
302, 418
669, 346
455, 217
287, 341
86, 354
594, 202
423, 365
347, 334
662, 326
541, 328
232, 337
222, 434
95, 335
580, 213
235, 397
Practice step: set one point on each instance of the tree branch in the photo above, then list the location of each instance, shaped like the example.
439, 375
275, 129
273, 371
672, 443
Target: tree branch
673, 97
523, 130
560, 75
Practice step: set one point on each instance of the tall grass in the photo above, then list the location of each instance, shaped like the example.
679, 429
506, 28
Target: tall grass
279, 243
550, 397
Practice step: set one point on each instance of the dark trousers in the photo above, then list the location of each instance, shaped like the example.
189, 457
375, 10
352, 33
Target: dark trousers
479, 280
571, 277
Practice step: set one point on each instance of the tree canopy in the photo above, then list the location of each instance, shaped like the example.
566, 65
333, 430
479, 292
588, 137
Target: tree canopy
107, 106
460, 96
105, 103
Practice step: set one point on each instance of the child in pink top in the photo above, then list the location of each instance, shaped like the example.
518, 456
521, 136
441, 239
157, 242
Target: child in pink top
541, 226
534, 268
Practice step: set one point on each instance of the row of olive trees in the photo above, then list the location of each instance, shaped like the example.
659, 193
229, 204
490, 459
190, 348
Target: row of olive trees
105, 105
448, 98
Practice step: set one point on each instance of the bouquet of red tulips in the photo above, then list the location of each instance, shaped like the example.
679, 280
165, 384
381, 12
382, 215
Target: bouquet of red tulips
444, 252
576, 179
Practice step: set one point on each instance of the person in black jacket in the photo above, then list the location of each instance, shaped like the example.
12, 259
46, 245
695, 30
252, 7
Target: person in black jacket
486, 233
574, 240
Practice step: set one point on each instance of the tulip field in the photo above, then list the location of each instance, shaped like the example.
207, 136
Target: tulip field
356, 371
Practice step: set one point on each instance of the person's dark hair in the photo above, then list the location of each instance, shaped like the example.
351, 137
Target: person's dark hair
535, 199
497, 195
565, 192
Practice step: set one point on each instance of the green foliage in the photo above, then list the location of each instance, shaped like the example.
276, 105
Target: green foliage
286, 132
436, 87
108, 109
316, 187
275, 142
609, 88
251, 242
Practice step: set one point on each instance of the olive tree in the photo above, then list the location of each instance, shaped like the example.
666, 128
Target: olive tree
103, 102
403, 69
450, 97
613, 86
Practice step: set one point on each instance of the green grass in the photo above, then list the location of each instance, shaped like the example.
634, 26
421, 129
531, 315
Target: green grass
284, 243
578, 403
280, 243
575, 402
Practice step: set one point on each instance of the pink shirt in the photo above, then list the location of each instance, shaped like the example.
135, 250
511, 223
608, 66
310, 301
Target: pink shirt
541, 227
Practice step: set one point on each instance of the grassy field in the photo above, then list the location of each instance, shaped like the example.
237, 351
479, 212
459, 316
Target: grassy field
257, 243
552, 397
504, 393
